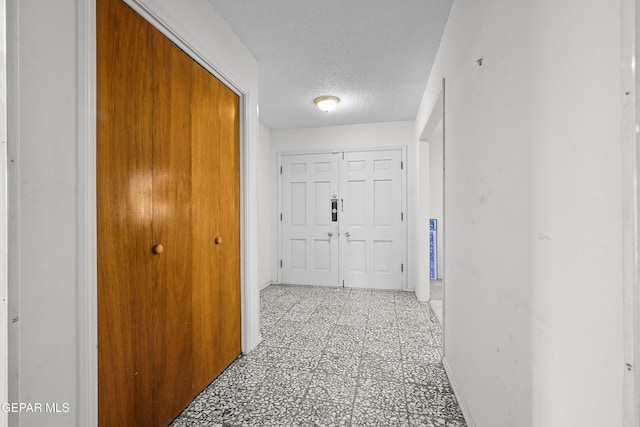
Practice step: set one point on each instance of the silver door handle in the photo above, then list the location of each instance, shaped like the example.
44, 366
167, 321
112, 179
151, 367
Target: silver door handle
329, 234
347, 234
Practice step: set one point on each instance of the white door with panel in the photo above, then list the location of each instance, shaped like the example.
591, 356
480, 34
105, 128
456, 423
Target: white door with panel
342, 219
371, 231
309, 233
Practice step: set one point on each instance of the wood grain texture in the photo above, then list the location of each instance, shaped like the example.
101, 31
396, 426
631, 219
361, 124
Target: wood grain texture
172, 222
228, 113
124, 183
168, 174
205, 185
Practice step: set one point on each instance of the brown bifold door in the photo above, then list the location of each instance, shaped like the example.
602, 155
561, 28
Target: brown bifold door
172, 222
168, 199
229, 226
124, 217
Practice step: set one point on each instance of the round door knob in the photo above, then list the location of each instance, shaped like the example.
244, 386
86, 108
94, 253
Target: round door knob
158, 249
347, 234
218, 240
329, 234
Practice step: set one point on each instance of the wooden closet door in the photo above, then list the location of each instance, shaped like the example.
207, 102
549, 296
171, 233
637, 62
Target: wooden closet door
205, 182
172, 222
124, 189
169, 177
228, 113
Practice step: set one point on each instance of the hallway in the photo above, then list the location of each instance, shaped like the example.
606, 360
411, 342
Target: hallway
335, 356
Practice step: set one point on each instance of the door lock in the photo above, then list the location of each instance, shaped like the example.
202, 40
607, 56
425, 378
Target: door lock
334, 210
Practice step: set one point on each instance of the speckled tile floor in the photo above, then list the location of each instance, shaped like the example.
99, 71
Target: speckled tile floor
334, 357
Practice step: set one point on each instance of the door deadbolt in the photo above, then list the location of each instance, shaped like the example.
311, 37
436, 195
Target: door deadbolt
334, 210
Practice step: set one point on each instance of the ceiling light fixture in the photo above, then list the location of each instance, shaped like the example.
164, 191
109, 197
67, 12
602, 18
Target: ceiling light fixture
327, 103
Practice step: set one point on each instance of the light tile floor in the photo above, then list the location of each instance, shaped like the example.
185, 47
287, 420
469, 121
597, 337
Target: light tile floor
334, 356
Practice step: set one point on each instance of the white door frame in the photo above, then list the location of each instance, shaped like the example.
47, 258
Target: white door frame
404, 174
4, 282
630, 99
437, 119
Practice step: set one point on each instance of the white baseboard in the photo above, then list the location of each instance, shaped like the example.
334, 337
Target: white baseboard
265, 284
253, 345
461, 402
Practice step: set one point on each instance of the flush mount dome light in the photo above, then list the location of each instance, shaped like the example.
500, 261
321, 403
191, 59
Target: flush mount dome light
327, 103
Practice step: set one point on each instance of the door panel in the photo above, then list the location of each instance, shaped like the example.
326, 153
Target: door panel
173, 362
124, 185
357, 259
310, 254
298, 255
382, 256
229, 230
298, 210
205, 152
371, 221
322, 261
321, 215
357, 218
382, 193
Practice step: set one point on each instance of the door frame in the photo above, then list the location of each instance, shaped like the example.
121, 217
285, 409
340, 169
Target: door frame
404, 174
4, 282
630, 161
437, 120
87, 412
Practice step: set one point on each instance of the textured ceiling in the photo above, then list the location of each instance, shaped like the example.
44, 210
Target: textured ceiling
375, 55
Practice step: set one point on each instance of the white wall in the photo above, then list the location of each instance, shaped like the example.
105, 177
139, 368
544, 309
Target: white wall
4, 313
43, 203
387, 134
577, 223
533, 326
52, 284
266, 205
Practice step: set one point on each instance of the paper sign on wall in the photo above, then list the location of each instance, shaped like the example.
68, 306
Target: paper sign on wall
433, 249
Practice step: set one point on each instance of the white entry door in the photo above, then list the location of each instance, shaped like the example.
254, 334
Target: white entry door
371, 231
360, 245
309, 234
